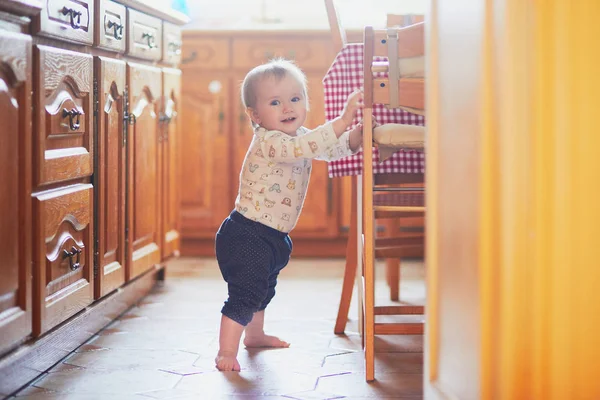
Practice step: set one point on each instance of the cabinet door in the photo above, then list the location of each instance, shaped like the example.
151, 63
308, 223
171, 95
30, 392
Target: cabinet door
319, 216
15, 196
63, 127
62, 254
143, 196
241, 134
207, 155
170, 137
110, 176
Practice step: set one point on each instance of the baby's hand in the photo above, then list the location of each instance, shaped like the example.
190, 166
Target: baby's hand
355, 138
353, 103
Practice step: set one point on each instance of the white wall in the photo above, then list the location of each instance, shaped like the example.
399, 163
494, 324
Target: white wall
300, 14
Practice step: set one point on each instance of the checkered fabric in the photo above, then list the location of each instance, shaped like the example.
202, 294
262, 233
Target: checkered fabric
344, 76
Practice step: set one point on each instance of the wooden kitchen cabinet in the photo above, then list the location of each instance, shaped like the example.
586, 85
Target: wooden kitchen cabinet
111, 176
217, 132
89, 168
207, 151
144, 200
63, 243
15, 181
63, 125
62, 254
169, 139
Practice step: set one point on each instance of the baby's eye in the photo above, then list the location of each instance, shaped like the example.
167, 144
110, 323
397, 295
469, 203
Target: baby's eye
275, 102
295, 99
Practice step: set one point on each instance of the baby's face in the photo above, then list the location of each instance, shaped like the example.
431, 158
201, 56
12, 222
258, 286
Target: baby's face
280, 105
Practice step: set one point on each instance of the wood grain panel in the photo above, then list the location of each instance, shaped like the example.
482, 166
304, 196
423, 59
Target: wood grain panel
170, 139
110, 26
15, 197
210, 53
144, 200
309, 53
144, 36
208, 194
171, 43
62, 278
63, 84
111, 176
71, 20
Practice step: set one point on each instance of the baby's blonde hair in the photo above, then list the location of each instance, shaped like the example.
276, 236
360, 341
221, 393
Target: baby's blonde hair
277, 68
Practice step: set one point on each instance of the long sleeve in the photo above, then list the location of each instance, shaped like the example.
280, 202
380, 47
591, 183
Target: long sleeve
277, 146
340, 150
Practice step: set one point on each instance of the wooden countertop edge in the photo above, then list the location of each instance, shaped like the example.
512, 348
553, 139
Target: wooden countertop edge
166, 14
32, 7
27, 8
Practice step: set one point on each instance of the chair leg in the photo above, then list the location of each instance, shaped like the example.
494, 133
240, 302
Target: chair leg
369, 245
359, 261
392, 265
349, 270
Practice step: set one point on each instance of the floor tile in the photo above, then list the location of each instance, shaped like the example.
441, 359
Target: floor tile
164, 346
108, 383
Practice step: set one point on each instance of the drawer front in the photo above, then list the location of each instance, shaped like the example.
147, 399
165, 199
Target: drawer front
308, 54
63, 250
171, 43
144, 36
110, 26
205, 53
71, 20
64, 116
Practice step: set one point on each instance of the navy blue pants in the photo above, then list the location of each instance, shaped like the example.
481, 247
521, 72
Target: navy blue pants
250, 257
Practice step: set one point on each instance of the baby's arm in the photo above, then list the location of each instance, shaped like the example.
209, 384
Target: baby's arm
280, 147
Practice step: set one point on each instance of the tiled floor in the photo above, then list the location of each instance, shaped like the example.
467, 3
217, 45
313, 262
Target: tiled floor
164, 347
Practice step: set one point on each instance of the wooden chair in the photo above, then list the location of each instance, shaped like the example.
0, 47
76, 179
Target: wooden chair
390, 221
403, 47
338, 34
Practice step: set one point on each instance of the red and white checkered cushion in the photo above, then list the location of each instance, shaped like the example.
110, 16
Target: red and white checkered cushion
344, 76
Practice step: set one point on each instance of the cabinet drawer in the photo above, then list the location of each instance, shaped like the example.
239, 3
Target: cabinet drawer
205, 53
144, 35
71, 20
309, 53
63, 251
64, 116
171, 43
110, 26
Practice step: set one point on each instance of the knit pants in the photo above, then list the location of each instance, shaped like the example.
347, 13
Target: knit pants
250, 257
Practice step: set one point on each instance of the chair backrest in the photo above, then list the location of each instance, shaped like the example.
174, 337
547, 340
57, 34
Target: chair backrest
404, 48
338, 34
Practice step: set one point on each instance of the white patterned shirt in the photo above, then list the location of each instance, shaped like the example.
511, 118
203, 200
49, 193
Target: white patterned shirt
276, 171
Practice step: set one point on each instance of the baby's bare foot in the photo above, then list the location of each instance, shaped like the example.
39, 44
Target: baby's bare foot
264, 341
227, 362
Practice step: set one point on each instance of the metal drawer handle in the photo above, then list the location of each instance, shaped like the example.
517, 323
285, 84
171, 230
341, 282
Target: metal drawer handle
175, 47
117, 29
69, 254
73, 14
150, 38
73, 115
